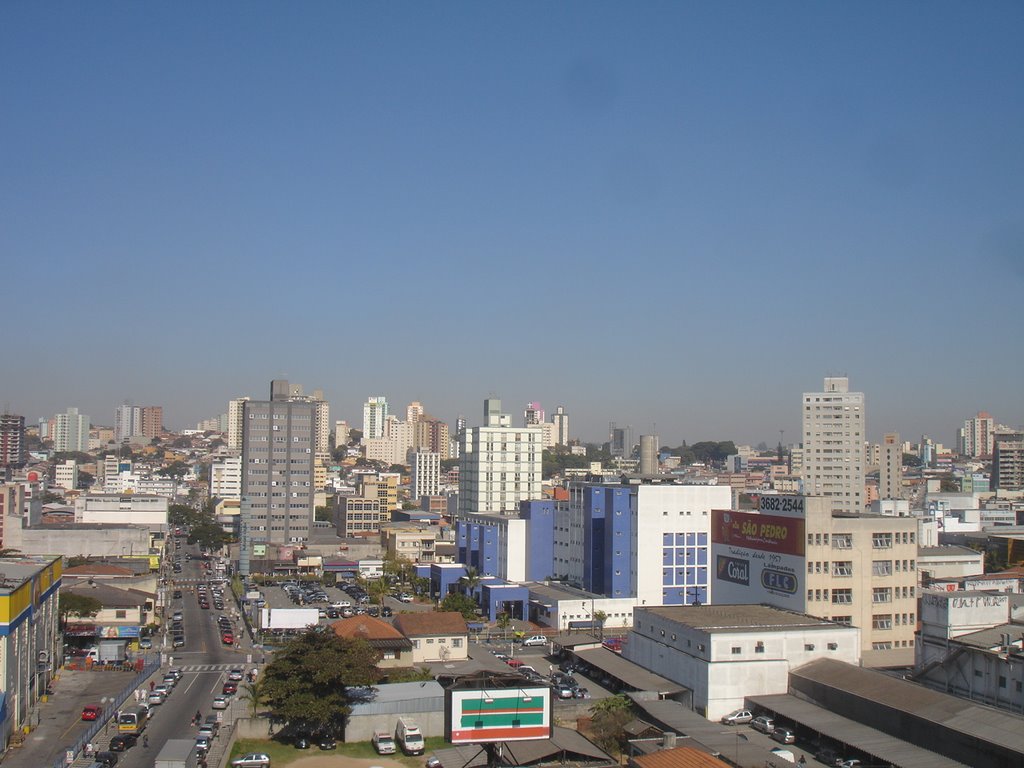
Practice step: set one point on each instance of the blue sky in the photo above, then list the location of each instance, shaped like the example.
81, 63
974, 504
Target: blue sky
678, 216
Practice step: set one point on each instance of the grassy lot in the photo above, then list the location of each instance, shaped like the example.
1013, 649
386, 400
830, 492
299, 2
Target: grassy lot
282, 754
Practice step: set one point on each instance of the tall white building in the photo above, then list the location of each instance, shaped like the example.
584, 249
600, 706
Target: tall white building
426, 474
226, 478
890, 468
71, 431
561, 421
321, 423
414, 411
235, 422
127, 421
833, 445
66, 475
499, 465
975, 437
375, 413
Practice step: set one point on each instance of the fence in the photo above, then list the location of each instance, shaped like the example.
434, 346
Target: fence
152, 664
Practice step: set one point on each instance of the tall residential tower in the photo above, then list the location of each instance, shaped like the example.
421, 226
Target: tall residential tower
833, 445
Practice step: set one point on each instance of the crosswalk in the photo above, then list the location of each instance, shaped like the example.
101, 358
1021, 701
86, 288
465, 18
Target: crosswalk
208, 667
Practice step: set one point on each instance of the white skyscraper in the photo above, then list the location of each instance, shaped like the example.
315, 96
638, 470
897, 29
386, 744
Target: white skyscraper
834, 425
375, 413
127, 422
975, 437
426, 474
235, 408
321, 422
499, 465
561, 421
71, 431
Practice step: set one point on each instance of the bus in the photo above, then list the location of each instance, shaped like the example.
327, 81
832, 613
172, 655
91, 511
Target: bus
132, 720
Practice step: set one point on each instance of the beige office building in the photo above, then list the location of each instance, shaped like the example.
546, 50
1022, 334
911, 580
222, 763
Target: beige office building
862, 570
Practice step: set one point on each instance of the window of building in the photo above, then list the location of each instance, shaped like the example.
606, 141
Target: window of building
881, 541
842, 568
842, 596
833, 646
881, 568
842, 541
121, 614
881, 595
881, 621
736, 650
759, 648
808, 646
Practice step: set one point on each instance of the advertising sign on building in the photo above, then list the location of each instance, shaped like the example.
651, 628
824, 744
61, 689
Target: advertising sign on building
757, 558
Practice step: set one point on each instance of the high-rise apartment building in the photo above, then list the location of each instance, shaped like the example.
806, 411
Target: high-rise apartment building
1008, 461
533, 415
341, 433
12, 441
426, 474
71, 431
414, 411
833, 441
561, 421
890, 467
236, 408
321, 423
375, 414
152, 421
226, 478
432, 435
65, 475
127, 422
278, 437
975, 437
499, 465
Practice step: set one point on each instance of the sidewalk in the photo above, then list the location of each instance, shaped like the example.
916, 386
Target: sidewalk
59, 718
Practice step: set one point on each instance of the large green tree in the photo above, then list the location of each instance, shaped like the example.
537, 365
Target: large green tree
309, 683
610, 717
456, 601
79, 606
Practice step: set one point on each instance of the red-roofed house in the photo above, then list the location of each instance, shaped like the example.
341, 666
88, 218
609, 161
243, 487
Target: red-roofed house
392, 645
436, 635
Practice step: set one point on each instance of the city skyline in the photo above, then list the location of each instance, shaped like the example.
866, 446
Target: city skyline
678, 217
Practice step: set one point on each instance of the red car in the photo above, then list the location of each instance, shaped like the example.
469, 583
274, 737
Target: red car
91, 711
227, 638
229, 688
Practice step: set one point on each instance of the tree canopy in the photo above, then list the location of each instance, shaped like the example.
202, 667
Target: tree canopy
309, 684
706, 452
80, 606
610, 717
464, 604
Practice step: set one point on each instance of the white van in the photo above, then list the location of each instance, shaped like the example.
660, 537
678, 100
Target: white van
409, 736
383, 743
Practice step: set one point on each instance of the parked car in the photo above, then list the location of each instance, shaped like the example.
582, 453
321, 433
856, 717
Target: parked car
203, 744
784, 736
229, 688
764, 724
535, 640
434, 762
301, 741
252, 760
236, 675
738, 717
219, 703
326, 742
145, 643
91, 711
107, 759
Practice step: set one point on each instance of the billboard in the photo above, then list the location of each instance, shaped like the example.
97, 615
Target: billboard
504, 708
289, 618
757, 558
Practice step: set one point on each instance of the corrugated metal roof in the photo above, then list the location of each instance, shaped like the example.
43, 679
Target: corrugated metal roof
680, 757
563, 740
960, 715
631, 674
845, 731
402, 698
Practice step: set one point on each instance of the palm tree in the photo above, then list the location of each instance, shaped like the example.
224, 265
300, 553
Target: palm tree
253, 693
503, 621
600, 617
470, 580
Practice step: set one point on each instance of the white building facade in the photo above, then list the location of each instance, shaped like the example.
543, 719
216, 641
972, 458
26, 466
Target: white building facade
426, 474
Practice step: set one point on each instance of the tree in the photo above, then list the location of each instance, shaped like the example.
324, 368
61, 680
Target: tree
252, 692
503, 621
79, 606
208, 535
949, 484
309, 683
910, 460
610, 717
354, 436
470, 580
176, 470
600, 617
323, 515
460, 603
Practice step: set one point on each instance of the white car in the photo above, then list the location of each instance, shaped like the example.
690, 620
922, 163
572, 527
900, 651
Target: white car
220, 703
535, 640
155, 697
253, 760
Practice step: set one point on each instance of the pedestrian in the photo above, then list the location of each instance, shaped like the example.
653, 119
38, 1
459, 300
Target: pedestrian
152, 685
803, 760
145, 742
199, 716
89, 749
